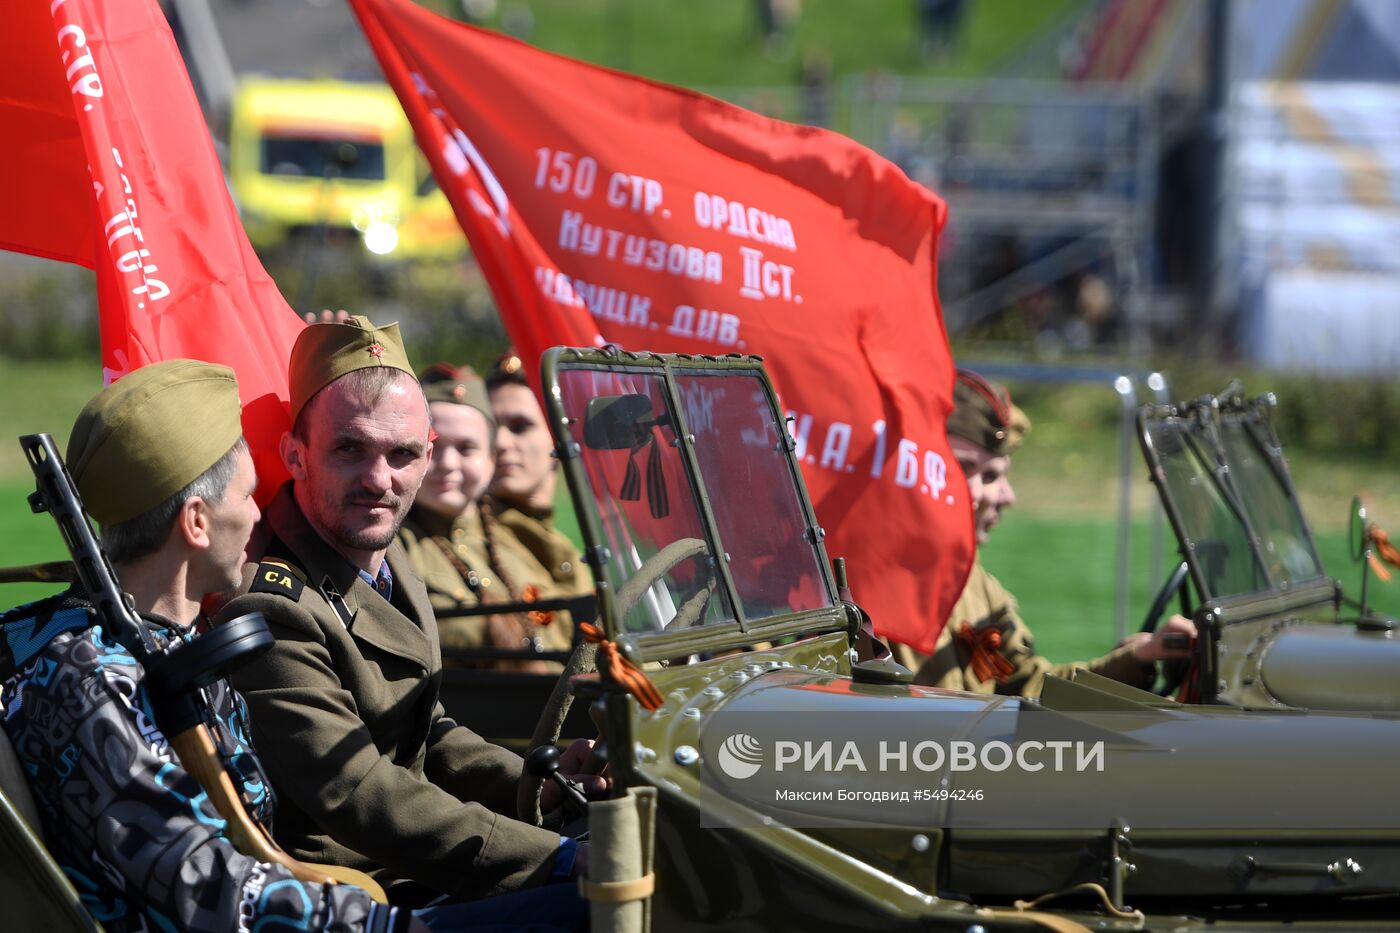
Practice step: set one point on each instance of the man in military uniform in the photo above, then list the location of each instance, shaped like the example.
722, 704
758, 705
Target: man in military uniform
454, 542
985, 647
522, 491
373, 775
160, 462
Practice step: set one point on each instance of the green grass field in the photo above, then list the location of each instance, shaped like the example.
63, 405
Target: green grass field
1063, 572
716, 44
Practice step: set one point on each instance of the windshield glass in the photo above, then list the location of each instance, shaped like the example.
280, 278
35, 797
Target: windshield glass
1284, 540
1219, 546
658, 563
322, 157
739, 443
1244, 531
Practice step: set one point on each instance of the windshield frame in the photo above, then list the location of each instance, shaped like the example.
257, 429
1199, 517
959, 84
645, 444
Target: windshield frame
743, 631
1199, 426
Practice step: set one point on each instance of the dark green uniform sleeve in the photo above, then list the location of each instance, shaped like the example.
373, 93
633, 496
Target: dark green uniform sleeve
432, 824
469, 767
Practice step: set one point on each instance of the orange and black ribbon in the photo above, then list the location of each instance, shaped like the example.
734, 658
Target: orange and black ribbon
984, 646
530, 594
1384, 551
621, 670
658, 500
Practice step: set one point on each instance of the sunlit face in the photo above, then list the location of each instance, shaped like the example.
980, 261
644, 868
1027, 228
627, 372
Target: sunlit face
462, 463
231, 522
524, 468
988, 483
360, 464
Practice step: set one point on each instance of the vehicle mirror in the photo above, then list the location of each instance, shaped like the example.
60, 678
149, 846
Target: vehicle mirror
1356, 531
617, 422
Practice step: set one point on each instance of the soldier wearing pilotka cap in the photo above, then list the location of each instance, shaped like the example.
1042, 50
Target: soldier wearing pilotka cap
522, 492
985, 647
372, 773
454, 541
159, 460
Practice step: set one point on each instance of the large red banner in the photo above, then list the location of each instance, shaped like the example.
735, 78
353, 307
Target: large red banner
602, 206
109, 166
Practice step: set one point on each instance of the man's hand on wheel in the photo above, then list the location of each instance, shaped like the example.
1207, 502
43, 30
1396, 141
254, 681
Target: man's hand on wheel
1172, 641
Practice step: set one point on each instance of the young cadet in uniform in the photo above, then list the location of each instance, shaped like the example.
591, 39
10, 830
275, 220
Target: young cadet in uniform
160, 462
371, 773
523, 488
985, 647
454, 542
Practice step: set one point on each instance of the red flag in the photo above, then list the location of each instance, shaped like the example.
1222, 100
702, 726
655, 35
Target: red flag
603, 206
110, 167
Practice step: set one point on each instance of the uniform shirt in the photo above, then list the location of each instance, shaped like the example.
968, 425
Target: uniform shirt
561, 570
370, 771
984, 604
444, 552
131, 829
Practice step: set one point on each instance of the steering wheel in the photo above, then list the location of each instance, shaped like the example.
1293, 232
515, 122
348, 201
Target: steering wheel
584, 659
1174, 583
1173, 672
656, 567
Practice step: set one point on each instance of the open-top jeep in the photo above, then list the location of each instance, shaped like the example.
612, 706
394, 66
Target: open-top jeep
713, 579
1274, 628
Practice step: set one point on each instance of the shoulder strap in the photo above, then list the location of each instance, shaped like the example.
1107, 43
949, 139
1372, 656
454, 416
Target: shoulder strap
279, 574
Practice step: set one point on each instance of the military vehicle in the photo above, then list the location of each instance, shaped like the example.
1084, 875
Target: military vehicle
723, 619
713, 578
1275, 630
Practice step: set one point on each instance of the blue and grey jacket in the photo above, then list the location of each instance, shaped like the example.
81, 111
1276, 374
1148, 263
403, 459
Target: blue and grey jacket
130, 828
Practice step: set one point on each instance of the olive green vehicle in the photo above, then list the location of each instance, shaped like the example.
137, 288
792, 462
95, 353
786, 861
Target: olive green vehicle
1275, 630
714, 579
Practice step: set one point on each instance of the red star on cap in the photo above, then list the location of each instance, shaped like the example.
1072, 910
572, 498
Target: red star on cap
375, 350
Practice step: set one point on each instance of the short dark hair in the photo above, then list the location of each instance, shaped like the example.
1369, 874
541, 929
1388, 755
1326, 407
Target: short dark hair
138, 537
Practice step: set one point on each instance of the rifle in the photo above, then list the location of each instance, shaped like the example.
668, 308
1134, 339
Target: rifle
176, 669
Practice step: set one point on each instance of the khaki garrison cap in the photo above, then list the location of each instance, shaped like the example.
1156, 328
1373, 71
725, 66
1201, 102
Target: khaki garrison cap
325, 352
443, 382
150, 434
984, 414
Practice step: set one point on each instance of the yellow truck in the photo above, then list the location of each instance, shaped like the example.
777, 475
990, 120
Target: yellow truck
308, 154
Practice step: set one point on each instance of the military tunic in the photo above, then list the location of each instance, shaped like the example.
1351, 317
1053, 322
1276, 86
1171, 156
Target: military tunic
561, 568
371, 772
986, 604
440, 550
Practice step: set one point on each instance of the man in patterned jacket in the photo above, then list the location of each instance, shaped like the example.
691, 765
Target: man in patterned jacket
161, 464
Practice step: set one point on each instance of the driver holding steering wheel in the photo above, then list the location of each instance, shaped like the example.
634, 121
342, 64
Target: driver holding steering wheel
370, 771
985, 647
